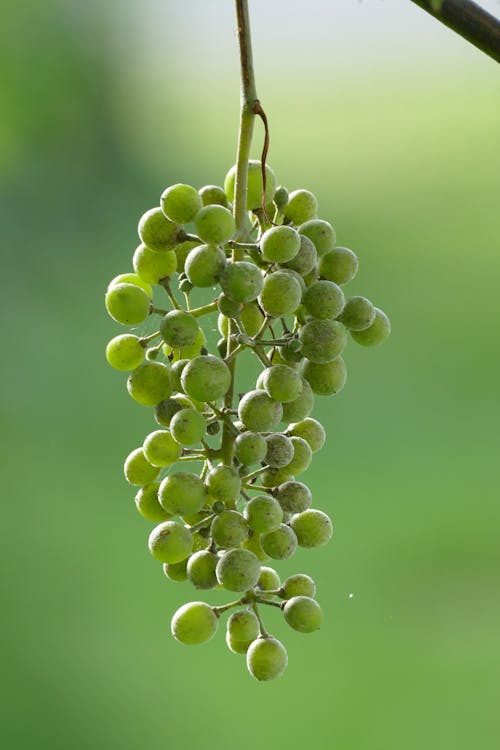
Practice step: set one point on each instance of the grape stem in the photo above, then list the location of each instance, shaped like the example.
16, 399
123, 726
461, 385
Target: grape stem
263, 631
165, 283
254, 474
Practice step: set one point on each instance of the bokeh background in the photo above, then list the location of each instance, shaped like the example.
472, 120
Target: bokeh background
394, 123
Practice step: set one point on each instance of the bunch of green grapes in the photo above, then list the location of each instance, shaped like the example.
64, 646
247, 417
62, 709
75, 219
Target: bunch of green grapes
280, 296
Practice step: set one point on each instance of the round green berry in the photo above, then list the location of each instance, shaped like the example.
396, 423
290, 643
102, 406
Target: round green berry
267, 659
125, 352
305, 260
312, 527
179, 328
339, 265
149, 383
214, 224
303, 613
282, 383
272, 477
206, 378
176, 571
241, 281
280, 543
224, 484
302, 206
204, 265
254, 184
228, 307
294, 497
280, 295
213, 194
165, 410
229, 529
376, 333
201, 569
182, 494
242, 629
127, 304
263, 513
298, 585
146, 502
279, 450
170, 542
253, 544
323, 300
134, 279
279, 244
238, 570
151, 266
194, 623
180, 203
302, 456
137, 468
322, 340
358, 314
182, 250
326, 379
250, 448
311, 430
156, 231
269, 580
321, 233
259, 412
301, 407
188, 426
161, 449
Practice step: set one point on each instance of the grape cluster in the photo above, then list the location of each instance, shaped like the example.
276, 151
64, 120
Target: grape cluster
279, 295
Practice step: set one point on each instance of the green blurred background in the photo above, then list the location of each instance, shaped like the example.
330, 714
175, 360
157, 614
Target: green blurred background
394, 123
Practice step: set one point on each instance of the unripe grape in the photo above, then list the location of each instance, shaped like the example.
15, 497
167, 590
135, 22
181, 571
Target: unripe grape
326, 379
322, 340
269, 580
339, 265
289, 352
258, 412
188, 426
204, 265
176, 372
242, 629
238, 570
156, 231
229, 529
305, 260
137, 468
206, 378
280, 543
224, 484
241, 281
127, 304
294, 497
280, 295
303, 613
302, 206
279, 450
298, 585
194, 623
180, 203
279, 244
176, 571
324, 299
282, 383
311, 430
182, 493
312, 527
214, 224
131, 278
301, 407
254, 184
147, 503
358, 314
302, 456
321, 233
161, 449
185, 352
251, 318
185, 286
165, 410
377, 333
182, 250
151, 266
149, 383
125, 352
267, 659
253, 544
213, 195
178, 328
250, 448
272, 477
201, 569
228, 307
263, 513
280, 197
169, 542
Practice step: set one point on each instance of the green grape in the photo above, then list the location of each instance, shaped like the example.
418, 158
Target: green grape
176, 571
134, 279
251, 318
272, 477
326, 379
241, 281
149, 383
269, 580
298, 585
194, 623
305, 260
263, 513
137, 468
254, 184
201, 569
204, 265
224, 484
156, 231
238, 570
279, 244
200, 540
188, 426
312, 527
229, 529
182, 250
127, 304
180, 203
298, 278
311, 430
165, 410
151, 266
282, 383
303, 613
182, 493
242, 629
301, 407
250, 448
339, 265
169, 542
290, 354
294, 497
302, 206
213, 195
322, 340
125, 352
206, 378
358, 314
280, 198
377, 333
321, 233
280, 543
179, 328
279, 450
258, 412
324, 299
253, 544
147, 503
161, 449
228, 308
302, 456
214, 224
267, 659
280, 295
